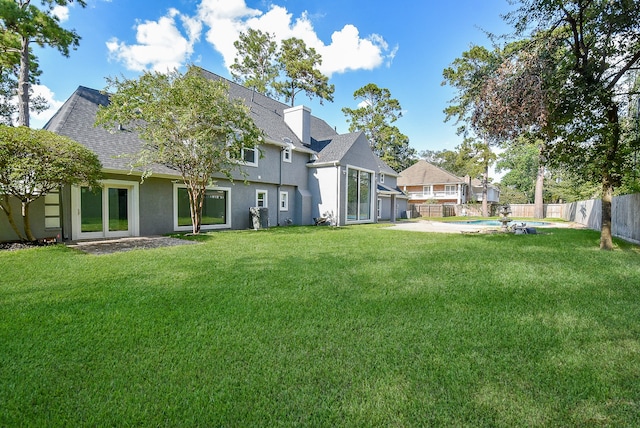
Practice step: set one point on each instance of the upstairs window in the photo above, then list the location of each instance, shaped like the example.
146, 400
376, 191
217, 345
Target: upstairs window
250, 156
286, 154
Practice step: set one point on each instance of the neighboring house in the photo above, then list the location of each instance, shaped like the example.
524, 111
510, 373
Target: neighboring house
424, 182
301, 171
493, 193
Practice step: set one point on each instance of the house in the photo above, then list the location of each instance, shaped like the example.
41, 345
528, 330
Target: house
302, 170
424, 183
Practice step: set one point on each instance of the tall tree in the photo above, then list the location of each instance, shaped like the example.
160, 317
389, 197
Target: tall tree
254, 65
375, 116
22, 23
600, 43
469, 75
186, 122
35, 162
521, 161
9, 72
299, 64
480, 158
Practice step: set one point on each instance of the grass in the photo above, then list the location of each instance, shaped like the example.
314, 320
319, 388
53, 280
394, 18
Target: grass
316, 326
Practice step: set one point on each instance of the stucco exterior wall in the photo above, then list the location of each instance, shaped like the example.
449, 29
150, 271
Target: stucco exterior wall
36, 216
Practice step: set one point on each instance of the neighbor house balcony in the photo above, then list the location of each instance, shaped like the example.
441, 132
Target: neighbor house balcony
434, 195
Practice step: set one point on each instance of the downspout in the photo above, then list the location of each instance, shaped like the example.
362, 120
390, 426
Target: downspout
339, 198
279, 187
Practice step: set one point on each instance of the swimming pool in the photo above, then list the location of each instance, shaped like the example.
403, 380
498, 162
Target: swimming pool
499, 223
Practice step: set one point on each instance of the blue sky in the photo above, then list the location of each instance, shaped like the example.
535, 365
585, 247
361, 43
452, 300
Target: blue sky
402, 46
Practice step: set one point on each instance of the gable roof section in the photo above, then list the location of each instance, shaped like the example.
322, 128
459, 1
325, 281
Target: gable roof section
423, 173
334, 148
268, 115
76, 118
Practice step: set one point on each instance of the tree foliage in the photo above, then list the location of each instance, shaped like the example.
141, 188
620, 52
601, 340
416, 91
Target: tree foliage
186, 122
35, 162
598, 44
299, 65
23, 23
254, 65
375, 116
521, 161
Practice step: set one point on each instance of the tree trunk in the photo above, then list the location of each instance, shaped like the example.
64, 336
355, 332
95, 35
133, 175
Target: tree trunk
5, 206
538, 201
485, 180
23, 84
606, 236
25, 221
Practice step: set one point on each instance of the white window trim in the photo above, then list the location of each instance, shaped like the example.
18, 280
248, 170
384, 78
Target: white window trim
379, 208
189, 228
256, 156
266, 197
134, 211
449, 192
287, 154
373, 196
285, 194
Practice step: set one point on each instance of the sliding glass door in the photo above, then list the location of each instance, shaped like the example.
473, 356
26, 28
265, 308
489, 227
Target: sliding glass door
103, 212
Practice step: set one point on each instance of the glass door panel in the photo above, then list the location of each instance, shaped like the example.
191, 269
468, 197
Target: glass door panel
90, 210
118, 209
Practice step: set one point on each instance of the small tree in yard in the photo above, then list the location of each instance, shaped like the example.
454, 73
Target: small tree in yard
35, 162
186, 122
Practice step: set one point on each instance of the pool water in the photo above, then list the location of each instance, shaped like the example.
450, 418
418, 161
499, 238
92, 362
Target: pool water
499, 223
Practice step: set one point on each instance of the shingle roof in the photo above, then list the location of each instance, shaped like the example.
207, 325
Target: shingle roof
76, 118
334, 148
77, 115
423, 172
268, 114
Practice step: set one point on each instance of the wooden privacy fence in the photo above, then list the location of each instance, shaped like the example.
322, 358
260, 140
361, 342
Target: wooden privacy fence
432, 210
527, 210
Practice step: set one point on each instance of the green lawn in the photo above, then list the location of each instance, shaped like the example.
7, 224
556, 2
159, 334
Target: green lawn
316, 326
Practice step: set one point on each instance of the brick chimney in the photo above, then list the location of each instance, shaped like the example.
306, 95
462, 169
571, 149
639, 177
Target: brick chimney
299, 120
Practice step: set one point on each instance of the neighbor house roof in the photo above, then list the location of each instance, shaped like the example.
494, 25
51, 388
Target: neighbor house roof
424, 173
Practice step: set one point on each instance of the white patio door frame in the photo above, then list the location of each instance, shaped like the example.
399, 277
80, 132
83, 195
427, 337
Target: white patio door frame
133, 213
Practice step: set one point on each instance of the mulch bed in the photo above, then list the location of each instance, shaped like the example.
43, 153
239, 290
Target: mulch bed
13, 246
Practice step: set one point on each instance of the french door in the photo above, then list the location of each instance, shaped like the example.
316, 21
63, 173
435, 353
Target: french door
108, 211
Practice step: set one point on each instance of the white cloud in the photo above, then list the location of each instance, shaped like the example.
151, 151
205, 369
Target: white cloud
38, 120
348, 51
160, 44
61, 12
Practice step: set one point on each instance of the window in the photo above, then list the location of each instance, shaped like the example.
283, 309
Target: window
284, 201
215, 209
261, 198
379, 208
450, 189
250, 156
426, 190
52, 210
286, 154
359, 195
382, 177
